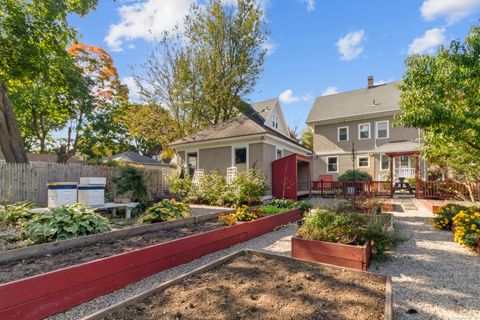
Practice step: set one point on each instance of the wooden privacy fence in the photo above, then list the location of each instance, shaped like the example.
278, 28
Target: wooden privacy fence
28, 182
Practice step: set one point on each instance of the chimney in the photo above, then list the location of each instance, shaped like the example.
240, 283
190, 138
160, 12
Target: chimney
370, 82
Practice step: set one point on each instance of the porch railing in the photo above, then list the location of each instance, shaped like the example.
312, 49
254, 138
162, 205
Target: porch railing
351, 188
405, 173
449, 189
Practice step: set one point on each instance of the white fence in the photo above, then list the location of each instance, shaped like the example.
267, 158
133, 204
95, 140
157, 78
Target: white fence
28, 182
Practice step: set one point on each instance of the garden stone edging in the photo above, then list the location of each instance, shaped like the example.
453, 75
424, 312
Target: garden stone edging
52, 292
50, 247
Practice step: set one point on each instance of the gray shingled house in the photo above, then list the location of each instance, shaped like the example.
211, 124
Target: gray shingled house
253, 139
363, 119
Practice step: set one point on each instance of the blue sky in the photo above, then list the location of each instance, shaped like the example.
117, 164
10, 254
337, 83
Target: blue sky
316, 46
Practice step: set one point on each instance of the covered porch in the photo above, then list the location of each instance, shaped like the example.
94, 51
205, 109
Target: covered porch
291, 176
400, 176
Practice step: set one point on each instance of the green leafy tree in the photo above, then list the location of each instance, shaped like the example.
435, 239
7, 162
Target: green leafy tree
202, 76
34, 35
306, 138
440, 94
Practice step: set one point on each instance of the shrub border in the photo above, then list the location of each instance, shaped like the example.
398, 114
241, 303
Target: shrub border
49, 293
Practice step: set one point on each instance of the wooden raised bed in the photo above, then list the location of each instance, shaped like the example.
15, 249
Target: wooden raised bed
432, 207
355, 257
56, 291
478, 246
262, 285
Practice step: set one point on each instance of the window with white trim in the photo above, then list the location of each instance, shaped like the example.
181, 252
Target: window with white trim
382, 129
332, 164
279, 154
363, 161
342, 134
384, 162
275, 121
363, 131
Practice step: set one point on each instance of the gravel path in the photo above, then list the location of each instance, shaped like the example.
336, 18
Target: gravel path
433, 277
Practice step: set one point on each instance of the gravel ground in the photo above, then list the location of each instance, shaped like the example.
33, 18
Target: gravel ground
433, 277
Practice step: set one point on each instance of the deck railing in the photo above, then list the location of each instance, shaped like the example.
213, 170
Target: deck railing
351, 188
449, 189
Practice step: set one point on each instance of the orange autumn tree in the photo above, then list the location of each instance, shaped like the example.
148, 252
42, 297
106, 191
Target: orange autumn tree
92, 128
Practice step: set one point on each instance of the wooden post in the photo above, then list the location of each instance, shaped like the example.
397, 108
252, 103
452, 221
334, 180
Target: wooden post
391, 174
417, 176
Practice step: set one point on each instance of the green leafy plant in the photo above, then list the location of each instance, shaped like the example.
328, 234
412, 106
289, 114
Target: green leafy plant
132, 181
166, 210
354, 175
242, 214
209, 191
291, 204
64, 223
17, 213
179, 187
248, 187
269, 209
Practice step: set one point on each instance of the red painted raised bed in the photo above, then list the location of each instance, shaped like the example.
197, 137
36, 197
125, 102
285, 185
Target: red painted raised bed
432, 206
355, 257
49, 293
478, 246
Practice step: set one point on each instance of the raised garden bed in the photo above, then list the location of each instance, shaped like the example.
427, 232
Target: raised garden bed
61, 289
349, 256
254, 285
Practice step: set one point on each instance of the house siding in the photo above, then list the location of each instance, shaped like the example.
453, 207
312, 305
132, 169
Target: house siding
215, 159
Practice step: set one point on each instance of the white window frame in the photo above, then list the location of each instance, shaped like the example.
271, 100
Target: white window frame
369, 131
381, 169
197, 165
278, 149
338, 133
275, 120
240, 146
338, 165
358, 161
388, 129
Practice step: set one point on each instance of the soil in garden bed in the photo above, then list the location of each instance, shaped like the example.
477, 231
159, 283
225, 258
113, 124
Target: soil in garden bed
256, 287
28, 267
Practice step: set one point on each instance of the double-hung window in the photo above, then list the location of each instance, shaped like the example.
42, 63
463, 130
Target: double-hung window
363, 131
332, 164
363, 162
382, 129
342, 134
384, 162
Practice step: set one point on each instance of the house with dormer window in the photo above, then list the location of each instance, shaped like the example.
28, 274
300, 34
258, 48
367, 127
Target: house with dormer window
253, 139
355, 129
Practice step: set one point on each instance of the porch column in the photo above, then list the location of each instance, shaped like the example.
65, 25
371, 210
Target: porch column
392, 160
417, 175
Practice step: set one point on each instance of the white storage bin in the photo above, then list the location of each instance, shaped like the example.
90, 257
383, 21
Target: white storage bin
91, 195
62, 193
93, 180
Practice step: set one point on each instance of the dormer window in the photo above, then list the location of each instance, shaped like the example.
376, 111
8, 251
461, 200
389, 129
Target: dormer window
275, 121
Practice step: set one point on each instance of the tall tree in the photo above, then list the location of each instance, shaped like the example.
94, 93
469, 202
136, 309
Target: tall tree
440, 94
202, 75
33, 38
306, 138
92, 128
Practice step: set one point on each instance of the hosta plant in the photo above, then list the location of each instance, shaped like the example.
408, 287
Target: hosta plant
166, 210
65, 223
16, 214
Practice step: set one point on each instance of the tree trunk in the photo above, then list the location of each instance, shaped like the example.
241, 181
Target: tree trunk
11, 143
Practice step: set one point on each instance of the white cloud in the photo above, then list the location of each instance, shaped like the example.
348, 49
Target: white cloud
380, 82
146, 20
288, 97
427, 43
330, 90
350, 46
310, 4
270, 46
133, 89
451, 10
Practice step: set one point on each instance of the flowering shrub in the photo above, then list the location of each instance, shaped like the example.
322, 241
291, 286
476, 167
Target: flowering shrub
467, 227
242, 214
444, 218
